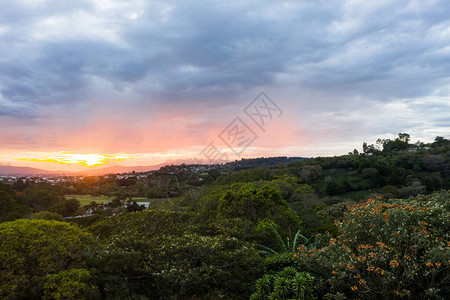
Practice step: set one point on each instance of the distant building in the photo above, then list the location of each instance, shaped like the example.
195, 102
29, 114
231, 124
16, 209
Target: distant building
146, 204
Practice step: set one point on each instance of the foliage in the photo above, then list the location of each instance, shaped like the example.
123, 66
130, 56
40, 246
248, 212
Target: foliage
11, 207
198, 266
288, 246
70, 284
146, 223
43, 196
32, 249
387, 250
156, 253
66, 207
46, 215
286, 284
258, 201
310, 172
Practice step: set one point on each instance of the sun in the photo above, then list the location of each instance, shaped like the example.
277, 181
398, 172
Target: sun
87, 160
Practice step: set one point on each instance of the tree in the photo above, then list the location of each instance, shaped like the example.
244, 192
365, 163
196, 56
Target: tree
71, 284
369, 172
310, 172
195, 266
66, 207
433, 162
334, 188
43, 196
397, 144
158, 254
46, 215
440, 141
370, 148
32, 249
10, 207
258, 201
6, 203
404, 137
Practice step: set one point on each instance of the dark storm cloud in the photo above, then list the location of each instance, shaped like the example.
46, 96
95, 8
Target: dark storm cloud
200, 47
209, 46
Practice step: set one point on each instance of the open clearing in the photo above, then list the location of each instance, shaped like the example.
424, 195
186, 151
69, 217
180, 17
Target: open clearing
87, 199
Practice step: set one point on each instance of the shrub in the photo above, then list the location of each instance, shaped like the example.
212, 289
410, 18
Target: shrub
71, 284
286, 284
46, 215
369, 172
387, 250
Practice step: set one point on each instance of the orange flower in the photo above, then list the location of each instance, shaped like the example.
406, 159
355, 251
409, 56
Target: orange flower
371, 268
362, 282
354, 288
301, 247
379, 271
393, 263
429, 264
350, 267
366, 246
380, 244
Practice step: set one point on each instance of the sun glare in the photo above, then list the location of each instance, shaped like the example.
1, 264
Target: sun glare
87, 160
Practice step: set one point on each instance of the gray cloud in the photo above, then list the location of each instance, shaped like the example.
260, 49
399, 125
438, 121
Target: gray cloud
347, 54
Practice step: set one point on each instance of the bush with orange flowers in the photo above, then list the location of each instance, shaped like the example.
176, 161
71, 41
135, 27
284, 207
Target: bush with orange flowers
386, 250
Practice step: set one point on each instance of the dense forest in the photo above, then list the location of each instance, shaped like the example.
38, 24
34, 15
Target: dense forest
369, 225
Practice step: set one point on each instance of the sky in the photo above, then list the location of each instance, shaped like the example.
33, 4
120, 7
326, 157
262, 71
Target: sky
144, 82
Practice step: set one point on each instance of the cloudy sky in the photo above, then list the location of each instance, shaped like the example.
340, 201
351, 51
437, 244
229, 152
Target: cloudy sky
153, 81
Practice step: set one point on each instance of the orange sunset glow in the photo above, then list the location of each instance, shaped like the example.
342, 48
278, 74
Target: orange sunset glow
87, 160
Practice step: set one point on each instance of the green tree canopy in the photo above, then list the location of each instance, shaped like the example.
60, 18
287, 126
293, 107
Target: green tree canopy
32, 249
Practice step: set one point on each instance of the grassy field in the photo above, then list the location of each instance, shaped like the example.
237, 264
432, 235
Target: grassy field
87, 199
140, 199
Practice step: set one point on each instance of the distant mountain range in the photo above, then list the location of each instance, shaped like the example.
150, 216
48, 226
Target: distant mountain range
26, 171
23, 171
